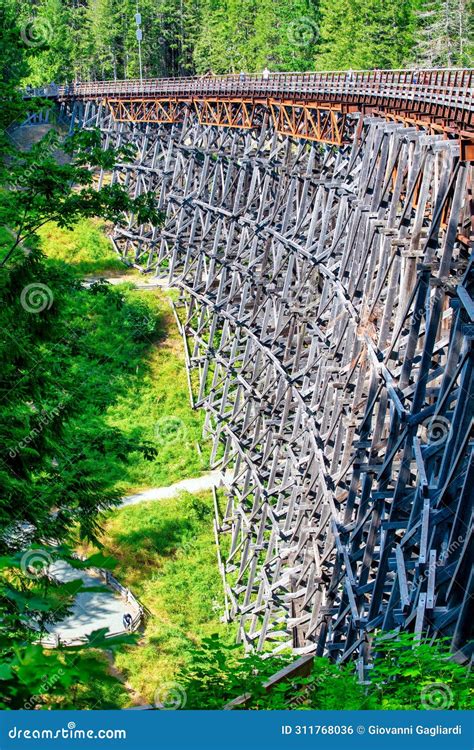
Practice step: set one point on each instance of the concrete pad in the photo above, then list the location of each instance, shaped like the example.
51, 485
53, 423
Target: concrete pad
91, 610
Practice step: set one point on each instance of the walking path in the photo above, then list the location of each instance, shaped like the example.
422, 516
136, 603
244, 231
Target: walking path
197, 484
139, 282
92, 610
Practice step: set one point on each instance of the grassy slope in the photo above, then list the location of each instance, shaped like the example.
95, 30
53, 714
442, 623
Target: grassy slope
166, 550
158, 403
166, 555
86, 247
155, 406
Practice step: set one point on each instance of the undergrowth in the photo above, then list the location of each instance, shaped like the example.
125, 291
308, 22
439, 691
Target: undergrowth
86, 248
406, 674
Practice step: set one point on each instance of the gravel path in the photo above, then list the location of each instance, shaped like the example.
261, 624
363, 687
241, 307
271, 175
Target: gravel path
93, 610
139, 282
198, 484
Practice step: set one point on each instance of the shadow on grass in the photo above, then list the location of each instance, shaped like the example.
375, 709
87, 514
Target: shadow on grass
165, 538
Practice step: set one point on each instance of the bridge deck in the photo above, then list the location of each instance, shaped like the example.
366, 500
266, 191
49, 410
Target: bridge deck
443, 97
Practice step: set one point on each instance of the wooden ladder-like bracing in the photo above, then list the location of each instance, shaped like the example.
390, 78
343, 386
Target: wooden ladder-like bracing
327, 311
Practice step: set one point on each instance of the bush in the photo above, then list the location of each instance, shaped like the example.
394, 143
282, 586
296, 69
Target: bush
412, 674
406, 675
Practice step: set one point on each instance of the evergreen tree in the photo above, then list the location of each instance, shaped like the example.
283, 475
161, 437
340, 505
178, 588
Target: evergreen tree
46, 31
364, 34
96, 39
214, 50
105, 36
50, 458
13, 68
286, 34
444, 33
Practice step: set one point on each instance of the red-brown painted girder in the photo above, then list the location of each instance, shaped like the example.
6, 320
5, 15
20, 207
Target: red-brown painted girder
309, 105
145, 110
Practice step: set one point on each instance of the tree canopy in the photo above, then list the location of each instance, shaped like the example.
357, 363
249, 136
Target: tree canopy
95, 39
64, 352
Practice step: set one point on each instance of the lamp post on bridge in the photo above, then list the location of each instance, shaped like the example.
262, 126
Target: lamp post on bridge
139, 35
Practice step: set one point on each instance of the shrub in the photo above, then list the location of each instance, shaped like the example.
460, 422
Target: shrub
407, 674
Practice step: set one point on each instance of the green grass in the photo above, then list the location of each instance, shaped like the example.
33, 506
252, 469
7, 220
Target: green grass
86, 247
166, 555
128, 360
156, 405
166, 550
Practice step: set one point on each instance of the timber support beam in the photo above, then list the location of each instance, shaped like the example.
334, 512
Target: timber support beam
327, 310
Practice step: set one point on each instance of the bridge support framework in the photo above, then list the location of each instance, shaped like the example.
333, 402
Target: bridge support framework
324, 123
327, 311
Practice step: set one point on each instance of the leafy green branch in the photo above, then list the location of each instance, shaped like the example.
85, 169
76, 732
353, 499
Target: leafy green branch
40, 187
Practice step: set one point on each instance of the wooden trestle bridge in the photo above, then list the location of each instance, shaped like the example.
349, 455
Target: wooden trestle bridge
319, 227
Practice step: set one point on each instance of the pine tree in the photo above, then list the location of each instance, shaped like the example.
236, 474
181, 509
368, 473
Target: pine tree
214, 50
286, 34
364, 34
46, 31
91, 39
444, 33
337, 34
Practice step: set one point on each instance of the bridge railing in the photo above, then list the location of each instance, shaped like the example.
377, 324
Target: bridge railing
396, 82
443, 96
